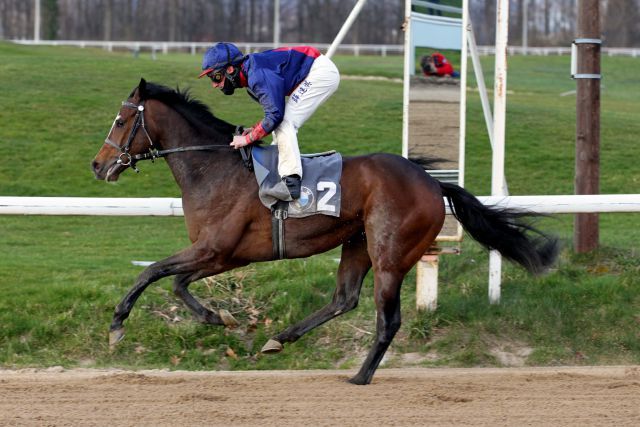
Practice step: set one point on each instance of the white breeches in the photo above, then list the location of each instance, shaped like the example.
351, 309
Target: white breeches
315, 89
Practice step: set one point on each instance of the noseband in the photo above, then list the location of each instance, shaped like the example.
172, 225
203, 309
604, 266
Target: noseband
126, 159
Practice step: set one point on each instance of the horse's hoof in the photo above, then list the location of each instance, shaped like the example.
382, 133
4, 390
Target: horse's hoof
228, 320
272, 346
115, 337
357, 380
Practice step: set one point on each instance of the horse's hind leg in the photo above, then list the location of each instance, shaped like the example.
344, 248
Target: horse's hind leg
354, 265
201, 313
387, 296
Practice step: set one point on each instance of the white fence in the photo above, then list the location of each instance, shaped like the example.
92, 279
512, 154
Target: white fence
195, 47
427, 272
161, 206
353, 49
560, 50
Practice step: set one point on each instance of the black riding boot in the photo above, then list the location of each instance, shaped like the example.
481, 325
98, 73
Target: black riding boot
293, 183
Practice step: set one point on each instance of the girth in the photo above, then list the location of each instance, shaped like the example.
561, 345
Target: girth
279, 212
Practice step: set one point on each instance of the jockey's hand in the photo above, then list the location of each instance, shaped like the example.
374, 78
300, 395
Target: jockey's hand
247, 131
239, 141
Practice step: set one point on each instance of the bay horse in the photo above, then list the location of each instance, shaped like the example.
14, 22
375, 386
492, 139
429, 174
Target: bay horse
391, 213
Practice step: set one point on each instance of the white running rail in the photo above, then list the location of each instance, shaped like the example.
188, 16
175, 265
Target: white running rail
164, 206
354, 49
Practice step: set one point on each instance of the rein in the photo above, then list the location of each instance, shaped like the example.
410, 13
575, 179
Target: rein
126, 159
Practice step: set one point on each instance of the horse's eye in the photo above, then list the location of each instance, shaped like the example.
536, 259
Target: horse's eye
119, 123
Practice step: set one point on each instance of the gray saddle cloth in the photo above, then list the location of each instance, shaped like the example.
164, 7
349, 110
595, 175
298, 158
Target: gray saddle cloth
320, 193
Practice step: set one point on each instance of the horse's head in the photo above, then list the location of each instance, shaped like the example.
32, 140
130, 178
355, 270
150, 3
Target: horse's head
175, 119
127, 138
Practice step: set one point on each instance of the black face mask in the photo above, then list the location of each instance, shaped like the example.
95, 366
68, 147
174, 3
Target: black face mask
228, 88
232, 81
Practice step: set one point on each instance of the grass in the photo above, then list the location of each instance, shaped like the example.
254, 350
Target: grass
60, 277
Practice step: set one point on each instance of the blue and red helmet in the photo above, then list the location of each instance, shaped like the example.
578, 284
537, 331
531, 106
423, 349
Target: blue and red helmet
220, 56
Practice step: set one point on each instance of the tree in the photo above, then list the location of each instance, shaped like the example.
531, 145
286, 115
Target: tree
50, 19
302, 21
622, 26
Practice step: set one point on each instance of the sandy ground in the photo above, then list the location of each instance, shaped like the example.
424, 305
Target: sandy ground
403, 397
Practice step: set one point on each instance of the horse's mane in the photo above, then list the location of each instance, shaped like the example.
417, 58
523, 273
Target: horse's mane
195, 112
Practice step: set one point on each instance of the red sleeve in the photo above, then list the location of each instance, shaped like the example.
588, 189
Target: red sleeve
256, 133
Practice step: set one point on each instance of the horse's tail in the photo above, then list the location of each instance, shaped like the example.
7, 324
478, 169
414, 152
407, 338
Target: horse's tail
502, 229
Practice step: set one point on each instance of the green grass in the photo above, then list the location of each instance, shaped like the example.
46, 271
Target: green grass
60, 277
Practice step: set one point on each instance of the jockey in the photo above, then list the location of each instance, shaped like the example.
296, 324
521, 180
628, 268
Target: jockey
302, 73
437, 65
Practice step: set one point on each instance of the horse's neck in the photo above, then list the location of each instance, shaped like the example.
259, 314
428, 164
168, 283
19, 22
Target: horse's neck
194, 169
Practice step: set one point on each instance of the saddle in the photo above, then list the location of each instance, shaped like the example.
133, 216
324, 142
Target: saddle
320, 191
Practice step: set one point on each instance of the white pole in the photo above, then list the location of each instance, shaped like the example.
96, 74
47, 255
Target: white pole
482, 89
406, 80
345, 27
427, 283
36, 22
463, 92
499, 121
276, 24
525, 26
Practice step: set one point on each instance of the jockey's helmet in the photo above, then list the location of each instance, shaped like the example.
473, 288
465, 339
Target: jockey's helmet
219, 56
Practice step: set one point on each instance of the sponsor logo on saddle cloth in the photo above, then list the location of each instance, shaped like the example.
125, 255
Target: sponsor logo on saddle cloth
320, 192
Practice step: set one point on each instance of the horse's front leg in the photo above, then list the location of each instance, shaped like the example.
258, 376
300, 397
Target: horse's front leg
186, 263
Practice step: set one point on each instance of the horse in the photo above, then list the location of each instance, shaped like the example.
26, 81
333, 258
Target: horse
391, 213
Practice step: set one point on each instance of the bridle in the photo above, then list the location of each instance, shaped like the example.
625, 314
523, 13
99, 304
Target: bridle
126, 159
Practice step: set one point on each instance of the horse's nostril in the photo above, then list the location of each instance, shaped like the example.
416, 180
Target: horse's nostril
94, 165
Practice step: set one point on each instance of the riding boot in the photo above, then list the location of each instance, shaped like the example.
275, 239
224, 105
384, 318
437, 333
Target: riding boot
293, 183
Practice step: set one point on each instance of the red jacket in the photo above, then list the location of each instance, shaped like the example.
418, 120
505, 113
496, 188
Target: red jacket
443, 67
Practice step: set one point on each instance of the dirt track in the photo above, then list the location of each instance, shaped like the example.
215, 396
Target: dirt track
403, 397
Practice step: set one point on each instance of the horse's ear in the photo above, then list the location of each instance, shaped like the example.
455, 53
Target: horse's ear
142, 88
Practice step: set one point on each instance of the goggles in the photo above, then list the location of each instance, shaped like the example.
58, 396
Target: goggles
216, 76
